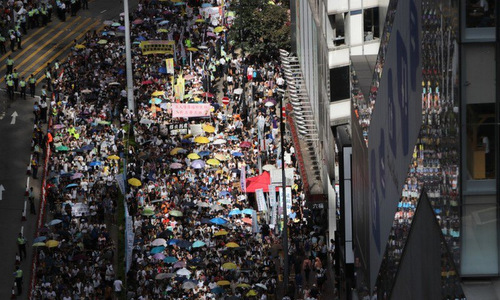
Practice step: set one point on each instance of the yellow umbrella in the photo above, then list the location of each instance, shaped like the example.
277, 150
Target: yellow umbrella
134, 182
80, 46
220, 157
158, 93
232, 245
229, 266
161, 30
114, 157
187, 136
39, 244
243, 285
213, 162
251, 293
201, 140
223, 282
192, 49
52, 243
221, 232
208, 128
219, 29
200, 21
193, 156
175, 151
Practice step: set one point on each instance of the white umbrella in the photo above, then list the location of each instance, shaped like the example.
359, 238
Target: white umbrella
146, 121
159, 242
183, 272
261, 286
164, 275
86, 91
268, 168
238, 91
216, 207
219, 142
188, 285
269, 104
202, 204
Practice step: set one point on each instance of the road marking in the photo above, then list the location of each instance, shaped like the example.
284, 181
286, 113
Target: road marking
68, 46
2, 116
27, 39
104, 11
29, 48
14, 116
40, 48
2, 189
22, 230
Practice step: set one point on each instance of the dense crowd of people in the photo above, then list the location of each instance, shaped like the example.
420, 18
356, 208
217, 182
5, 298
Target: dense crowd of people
197, 233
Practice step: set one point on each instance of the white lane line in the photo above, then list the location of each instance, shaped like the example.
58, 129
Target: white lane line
22, 230
104, 11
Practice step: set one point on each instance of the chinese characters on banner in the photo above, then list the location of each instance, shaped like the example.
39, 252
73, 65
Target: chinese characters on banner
243, 179
261, 200
187, 110
273, 204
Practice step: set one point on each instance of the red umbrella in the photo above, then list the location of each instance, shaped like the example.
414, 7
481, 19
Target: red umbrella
247, 221
205, 94
147, 82
245, 144
138, 21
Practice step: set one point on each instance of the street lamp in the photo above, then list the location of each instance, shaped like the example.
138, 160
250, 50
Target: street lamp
128, 55
286, 272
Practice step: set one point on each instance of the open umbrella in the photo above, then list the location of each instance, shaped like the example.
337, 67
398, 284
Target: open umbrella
77, 176
198, 164
235, 212
170, 260
52, 243
155, 101
176, 166
232, 245
40, 239
220, 157
148, 212
179, 265
268, 167
193, 156
229, 266
183, 272
116, 24
134, 182
102, 42
39, 244
137, 21
161, 276
62, 148
251, 293
261, 285
114, 157
198, 244
208, 128
238, 91
219, 29
245, 144
243, 285
159, 242
247, 221
158, 249
218, 290
189, 285
223, 283
158, 93
159, 256
219, 142
204, 153
55, 222
86, 91
176, 151
201, 140
237, 154
175, 213
200, 20
213, 162
247, 211
221, 232
95, 163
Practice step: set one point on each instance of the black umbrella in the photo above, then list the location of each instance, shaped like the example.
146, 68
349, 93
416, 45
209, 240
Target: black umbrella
165, 234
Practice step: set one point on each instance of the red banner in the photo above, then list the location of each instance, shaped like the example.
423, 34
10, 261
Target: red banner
183, 110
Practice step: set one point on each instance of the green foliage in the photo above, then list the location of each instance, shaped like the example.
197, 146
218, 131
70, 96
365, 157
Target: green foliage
260, 28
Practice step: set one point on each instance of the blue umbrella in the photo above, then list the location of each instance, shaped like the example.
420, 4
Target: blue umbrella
67, 174
237, 154
163, 23
158, 249
170, 260
247, 211
198, 244
104, 33
233, 138
186, 141
205, 221
218, 221
72, 185
204, 153
235, 212
158, 19
155, 101
218, 290
184, 244
206, 5
172, 242
87, 147
179, 3
140, 38
39, 239
95, 163
162, 70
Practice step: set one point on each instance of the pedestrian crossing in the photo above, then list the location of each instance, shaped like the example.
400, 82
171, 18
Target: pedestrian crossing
47, 44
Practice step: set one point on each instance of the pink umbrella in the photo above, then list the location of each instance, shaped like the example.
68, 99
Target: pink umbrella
138, 21
159, 256
189, 77
211, 34
245, 144
147, 82
176, 166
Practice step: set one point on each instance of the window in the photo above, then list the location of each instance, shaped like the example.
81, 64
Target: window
338, 27
479, 13
371, 24
481, 146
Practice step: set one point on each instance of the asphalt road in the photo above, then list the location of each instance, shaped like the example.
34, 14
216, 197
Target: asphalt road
40, 46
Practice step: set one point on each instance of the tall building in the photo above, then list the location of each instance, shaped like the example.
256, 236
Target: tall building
395, 102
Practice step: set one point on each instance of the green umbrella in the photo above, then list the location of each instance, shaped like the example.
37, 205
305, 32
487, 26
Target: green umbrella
116, 24
175, 213
39, 244
104, 122
62, 148
148, 212
102, 42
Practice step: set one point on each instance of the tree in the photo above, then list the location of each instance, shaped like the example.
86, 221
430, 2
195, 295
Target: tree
260, 28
